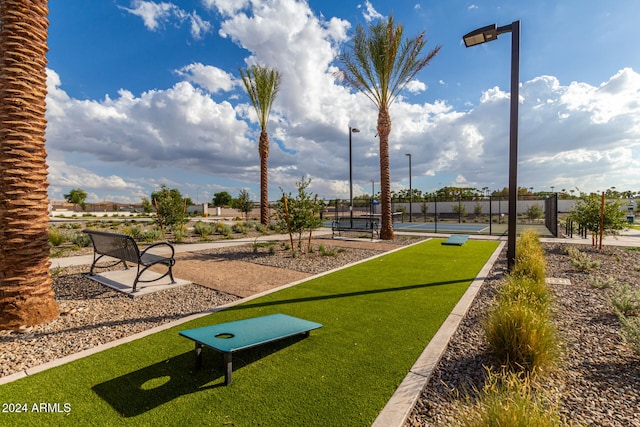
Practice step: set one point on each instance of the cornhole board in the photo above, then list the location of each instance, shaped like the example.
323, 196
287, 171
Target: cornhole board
456, 239
228, 338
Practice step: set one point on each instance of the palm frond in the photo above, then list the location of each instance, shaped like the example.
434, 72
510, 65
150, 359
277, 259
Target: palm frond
262, 85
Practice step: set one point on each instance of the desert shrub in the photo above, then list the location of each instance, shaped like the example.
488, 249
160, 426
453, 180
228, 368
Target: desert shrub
81, 240
56, 237
204, 229
530, 260
600, 283
581, 261
525, 290
223, 229
134, 231
260, 228
179, 232
239, 227
511, 399
626, 300
520, 336
151, 235
631, 331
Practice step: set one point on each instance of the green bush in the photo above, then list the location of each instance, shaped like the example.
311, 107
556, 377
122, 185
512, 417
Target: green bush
223, 229
631, 331
56, 237
511, 399
600, 283
526, 290
203, 229
239, 227
581, 260
81, 239
179, 232
151, 235
530, 260
134, 231
521, 337
626, 300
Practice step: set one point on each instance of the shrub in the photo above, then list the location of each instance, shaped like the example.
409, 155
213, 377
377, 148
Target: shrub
134, 231
239, 227
581, 260
599, 283
511, 399
260, 228
223, 229
521, 337
626, 300
80, 239
179, 232
530, 260
631, 332
56, 237
203, 229
151, 235
526, 290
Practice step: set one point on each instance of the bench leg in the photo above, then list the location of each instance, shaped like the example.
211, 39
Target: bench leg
227, 368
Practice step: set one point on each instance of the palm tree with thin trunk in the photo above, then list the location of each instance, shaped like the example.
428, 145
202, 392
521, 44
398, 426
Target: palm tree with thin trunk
26, 296
262, 84
380, 64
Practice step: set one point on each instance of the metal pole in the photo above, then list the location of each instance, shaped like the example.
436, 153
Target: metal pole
350, 181
410, 191
513, 144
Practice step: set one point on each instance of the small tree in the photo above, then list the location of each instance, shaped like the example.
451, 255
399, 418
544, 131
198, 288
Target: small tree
147, 207
534, 212
222, 198
170, 207
77, 196
299, 214
243, 203
587, 212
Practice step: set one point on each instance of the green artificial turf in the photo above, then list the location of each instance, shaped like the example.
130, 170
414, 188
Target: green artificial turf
377, 318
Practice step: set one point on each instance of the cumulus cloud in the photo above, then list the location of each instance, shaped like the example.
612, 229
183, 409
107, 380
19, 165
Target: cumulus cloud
369, 12
156, 15
570, 134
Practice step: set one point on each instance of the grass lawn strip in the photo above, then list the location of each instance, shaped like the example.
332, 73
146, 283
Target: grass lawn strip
378, 316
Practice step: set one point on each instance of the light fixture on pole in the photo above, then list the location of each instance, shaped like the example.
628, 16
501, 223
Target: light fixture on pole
351, 131
410, 190
487, 34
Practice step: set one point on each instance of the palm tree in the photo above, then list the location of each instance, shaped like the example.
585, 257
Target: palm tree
262, 85
380, 64
26, 296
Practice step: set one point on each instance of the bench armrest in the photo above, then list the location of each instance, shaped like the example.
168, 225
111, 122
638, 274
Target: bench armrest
159, 244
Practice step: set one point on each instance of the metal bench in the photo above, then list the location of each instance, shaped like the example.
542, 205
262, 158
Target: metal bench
361, 224
228, 338
125, 249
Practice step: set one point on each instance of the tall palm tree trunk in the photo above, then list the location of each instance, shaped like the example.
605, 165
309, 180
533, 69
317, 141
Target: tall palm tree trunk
26, 297
384, 129
263, 149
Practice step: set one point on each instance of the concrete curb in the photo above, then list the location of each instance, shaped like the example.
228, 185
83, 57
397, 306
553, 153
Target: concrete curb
398, 408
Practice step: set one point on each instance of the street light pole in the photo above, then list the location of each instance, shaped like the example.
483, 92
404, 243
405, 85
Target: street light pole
483, 35
410, 190
351, 130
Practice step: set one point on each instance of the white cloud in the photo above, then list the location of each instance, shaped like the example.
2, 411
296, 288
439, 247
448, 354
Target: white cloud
156, 15
209, 77
416, 86
369, 12
575, 134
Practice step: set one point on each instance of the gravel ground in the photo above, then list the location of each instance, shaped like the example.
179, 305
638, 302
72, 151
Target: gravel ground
92, 314
599, 383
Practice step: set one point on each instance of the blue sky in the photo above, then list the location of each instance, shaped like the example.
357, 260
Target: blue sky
146, 93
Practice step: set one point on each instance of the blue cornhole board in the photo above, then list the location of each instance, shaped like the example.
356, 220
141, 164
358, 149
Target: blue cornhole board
228, 338
456, 239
